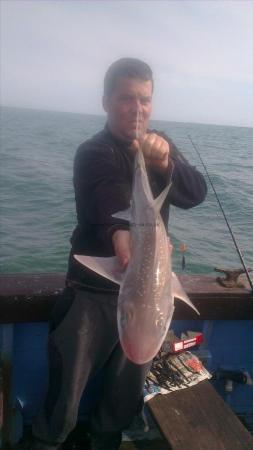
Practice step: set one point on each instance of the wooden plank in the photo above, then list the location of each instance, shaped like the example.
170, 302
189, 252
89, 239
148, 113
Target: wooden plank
197, 418
31, 297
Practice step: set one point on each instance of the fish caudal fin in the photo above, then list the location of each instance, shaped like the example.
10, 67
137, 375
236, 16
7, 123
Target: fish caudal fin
178, 292
106, 267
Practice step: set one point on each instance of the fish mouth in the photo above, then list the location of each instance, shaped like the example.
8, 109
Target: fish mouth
139, 354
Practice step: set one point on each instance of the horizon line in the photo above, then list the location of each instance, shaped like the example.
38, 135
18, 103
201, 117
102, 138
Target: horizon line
104, 116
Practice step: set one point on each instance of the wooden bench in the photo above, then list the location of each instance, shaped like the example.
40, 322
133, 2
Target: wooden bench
197, 418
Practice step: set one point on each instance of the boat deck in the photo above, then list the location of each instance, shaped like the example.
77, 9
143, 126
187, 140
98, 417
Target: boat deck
199, 413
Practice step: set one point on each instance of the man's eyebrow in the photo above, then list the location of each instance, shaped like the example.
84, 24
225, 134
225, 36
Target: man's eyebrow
132, 95
145, 97
127, 95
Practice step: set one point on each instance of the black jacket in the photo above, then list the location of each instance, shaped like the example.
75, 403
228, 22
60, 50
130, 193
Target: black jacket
103, 174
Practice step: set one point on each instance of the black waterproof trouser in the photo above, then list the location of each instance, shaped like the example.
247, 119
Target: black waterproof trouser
83, 340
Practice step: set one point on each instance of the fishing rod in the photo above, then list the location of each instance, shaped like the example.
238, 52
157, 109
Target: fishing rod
223, 212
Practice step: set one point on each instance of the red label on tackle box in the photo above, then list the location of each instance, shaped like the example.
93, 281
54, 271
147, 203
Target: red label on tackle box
184, 344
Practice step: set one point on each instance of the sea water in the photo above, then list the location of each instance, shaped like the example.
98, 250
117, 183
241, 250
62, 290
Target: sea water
37, 197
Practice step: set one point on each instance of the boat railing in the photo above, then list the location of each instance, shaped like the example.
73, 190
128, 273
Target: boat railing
30, 298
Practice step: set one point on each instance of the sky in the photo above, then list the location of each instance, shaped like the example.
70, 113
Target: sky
54, 55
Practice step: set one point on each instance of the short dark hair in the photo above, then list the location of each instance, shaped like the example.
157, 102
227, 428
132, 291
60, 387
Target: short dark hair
126, 67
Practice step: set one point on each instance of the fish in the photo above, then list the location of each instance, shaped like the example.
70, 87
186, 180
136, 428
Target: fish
148, 286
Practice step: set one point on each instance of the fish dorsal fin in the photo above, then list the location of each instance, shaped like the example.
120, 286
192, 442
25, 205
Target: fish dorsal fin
106, 267
158, 201
178, 292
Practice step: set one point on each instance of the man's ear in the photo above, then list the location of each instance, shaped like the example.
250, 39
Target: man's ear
105, 103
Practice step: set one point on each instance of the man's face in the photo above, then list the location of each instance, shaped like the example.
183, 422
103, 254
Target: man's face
129, 99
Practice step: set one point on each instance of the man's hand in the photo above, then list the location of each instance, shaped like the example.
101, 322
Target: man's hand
122, 246
155, 149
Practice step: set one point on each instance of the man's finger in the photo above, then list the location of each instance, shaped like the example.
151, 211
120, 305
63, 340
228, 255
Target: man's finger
135, 146
121, 242
148, 144
138, 143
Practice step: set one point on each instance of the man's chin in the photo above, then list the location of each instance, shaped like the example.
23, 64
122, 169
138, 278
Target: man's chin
129, 135
132, 134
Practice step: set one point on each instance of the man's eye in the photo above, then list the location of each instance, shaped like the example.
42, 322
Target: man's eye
145, 101
126, 98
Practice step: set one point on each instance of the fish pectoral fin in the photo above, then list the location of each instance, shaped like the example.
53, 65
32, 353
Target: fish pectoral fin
106, 267
178, 292
158, 201
125, 214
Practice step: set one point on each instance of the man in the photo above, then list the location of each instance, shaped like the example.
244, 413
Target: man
83, 340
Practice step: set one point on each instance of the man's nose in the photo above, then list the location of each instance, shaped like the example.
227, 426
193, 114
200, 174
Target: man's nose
137, 106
